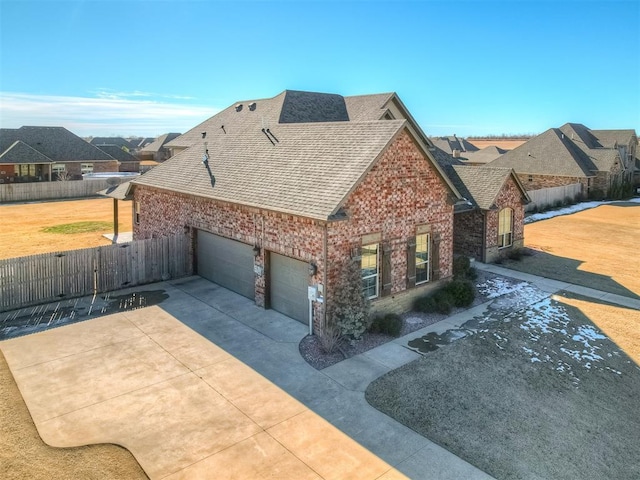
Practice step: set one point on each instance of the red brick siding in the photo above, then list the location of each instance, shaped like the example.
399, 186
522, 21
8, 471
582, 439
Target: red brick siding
401, 191
468, 234
538, 182
470, 227
509, 197
163, 213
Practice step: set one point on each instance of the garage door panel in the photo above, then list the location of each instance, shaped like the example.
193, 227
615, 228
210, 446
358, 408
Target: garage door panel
226, 262
289, 287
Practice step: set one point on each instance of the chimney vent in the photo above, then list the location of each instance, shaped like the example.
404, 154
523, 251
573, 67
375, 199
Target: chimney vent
252, 106
456, 153
238, 107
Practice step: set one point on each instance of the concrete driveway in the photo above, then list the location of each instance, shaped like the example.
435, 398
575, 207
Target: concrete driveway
184, 407
197, 384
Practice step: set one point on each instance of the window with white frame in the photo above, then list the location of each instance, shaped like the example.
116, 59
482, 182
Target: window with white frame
422, 258
505, 227
369, 270
86, 168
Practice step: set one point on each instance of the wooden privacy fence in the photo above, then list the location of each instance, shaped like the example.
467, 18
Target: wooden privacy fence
29, 192
549, 196
43, 278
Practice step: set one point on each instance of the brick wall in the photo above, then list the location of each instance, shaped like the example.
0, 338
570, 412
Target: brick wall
468, 234
471, 227
509, 197
401, 192
537, 182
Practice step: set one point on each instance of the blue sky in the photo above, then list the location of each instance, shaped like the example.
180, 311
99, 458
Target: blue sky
470, 68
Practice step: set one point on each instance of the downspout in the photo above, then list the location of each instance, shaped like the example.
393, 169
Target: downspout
324, 274
484, 236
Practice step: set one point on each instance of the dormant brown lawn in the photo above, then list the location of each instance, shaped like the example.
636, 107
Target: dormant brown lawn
22, 225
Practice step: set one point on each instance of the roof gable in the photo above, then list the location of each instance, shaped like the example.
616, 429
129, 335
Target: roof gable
21, 153
483, 184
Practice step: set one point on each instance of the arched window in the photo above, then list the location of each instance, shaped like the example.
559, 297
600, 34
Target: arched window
505, 228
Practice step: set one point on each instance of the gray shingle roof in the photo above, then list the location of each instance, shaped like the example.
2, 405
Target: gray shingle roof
550, 153
160, 142
119, 141
308, 107
308, 172
609, 138
118, 153
485, 155
449, 144
367, 107
21, 153
57, 143
480, 185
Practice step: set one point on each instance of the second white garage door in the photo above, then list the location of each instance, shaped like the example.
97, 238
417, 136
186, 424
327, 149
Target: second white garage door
289, 287
227, 263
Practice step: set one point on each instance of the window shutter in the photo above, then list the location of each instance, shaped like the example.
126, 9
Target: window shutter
386, 270
411, 262
435, 257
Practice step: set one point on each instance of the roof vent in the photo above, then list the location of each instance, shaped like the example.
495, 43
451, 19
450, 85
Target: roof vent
238, 107
252, 106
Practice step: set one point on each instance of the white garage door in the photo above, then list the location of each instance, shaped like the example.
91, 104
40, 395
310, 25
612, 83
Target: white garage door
289, 287
227, 263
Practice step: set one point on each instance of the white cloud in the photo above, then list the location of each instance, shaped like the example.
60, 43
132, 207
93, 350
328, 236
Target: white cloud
108, 113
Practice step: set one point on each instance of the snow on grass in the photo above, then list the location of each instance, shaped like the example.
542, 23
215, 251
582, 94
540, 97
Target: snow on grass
572, 209
496, 287
559, 339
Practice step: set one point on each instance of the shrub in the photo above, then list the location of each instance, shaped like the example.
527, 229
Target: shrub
557, 204
349, 310
390, 324
458, 293
461, 293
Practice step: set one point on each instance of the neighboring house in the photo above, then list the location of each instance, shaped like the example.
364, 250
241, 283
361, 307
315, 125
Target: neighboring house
127, 145
37, 154
483, 156
490, 223
157, 150
458, 147
279, 194
601, 161
127, 162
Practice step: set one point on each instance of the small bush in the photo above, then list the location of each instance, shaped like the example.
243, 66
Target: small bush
569, 200
458, 293
389, 324
461, 293
557, 204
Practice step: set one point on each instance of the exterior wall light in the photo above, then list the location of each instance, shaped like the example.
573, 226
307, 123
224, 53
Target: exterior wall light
313, 269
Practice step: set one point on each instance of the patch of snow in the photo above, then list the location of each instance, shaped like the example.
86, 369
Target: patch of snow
496, 287
572, 209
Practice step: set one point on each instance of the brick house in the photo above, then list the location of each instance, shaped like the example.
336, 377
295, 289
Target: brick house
601, 161
157, 150
277, 194
37, 154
